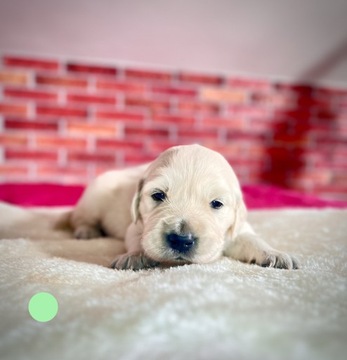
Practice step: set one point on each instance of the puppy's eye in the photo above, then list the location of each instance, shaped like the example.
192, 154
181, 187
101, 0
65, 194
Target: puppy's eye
216, 204
158, 196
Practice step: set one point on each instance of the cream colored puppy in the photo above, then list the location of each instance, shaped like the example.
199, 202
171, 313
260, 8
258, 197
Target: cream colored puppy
184, 207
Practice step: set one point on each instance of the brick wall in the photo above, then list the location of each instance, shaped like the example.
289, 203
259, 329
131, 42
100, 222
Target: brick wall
66, 121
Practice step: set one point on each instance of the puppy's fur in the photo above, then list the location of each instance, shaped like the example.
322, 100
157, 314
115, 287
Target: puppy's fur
200, 202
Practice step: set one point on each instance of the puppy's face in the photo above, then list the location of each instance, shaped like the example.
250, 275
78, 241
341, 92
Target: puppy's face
187, 205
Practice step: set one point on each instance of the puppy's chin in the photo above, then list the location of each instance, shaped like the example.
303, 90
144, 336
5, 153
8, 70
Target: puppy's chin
173, 263
164, 255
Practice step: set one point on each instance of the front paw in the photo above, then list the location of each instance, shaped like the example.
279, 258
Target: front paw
276, 259
133, 261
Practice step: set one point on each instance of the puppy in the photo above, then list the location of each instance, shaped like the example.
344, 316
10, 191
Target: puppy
184, 207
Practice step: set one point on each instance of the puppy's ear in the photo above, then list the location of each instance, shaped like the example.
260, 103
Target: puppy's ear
135, 205
240, 218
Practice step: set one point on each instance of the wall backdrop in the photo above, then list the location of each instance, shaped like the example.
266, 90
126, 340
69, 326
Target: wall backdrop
65, 121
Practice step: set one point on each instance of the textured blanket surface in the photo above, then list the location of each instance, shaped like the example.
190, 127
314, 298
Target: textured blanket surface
223, 310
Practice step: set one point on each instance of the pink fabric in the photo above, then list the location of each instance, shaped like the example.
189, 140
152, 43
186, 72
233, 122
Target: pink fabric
256, 196
272, 197
38, 194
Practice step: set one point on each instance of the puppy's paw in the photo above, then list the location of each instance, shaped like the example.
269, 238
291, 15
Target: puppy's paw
133, 261
87, 232
276, 259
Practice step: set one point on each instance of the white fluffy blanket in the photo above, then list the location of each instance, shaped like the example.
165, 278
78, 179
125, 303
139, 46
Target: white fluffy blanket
224, 310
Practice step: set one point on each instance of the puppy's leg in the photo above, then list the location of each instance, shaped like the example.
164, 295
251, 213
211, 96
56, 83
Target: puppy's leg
86, 231
134, 258
85, 220
250, 248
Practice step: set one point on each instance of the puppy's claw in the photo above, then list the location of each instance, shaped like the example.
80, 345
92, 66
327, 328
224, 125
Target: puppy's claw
133, 261
279, 260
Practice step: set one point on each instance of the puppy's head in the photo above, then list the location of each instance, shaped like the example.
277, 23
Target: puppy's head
188, 203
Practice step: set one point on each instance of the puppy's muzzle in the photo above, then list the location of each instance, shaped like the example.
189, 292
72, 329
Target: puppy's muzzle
181, 243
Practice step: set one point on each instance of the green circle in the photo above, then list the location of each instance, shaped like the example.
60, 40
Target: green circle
43, 307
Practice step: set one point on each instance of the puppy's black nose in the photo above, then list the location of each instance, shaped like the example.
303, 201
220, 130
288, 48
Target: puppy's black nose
180, 243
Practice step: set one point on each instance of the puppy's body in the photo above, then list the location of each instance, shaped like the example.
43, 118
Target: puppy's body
105, 207
184, 207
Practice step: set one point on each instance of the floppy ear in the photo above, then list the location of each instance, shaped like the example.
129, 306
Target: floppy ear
240, 218
135, 211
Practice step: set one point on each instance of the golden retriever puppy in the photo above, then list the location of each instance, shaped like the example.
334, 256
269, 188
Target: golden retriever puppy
184, 207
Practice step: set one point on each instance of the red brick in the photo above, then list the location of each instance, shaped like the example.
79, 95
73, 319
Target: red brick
340, 150
298, 89
24, 124
83, 129
112, 144
329, 92
254, 149
237, 135
325, 114
323, 137
22, 93
339, 179
248, 177
339, 163
332, 193
85, 157
230, 150
171, 119
65, 174
249, 83
279, 153
308, 102
295, 125
145, 131
103, 167
133, 158
64, 81
13, 109
200, 78
249, 111
342, 104
198, 107
157, 147
153, 105
311, 178
291, 139
273, 99
218, 122
315, 159
249, 164
223, 95
197, 134
125, 86
260, 126
147, 75
91, 99
31, 63
119, 115
13, 78
61, 111
174, 91
91, 69
56, 142
13, 140
12, 170
38, 155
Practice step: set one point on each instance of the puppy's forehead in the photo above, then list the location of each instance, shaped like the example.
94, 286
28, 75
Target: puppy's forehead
191, 164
